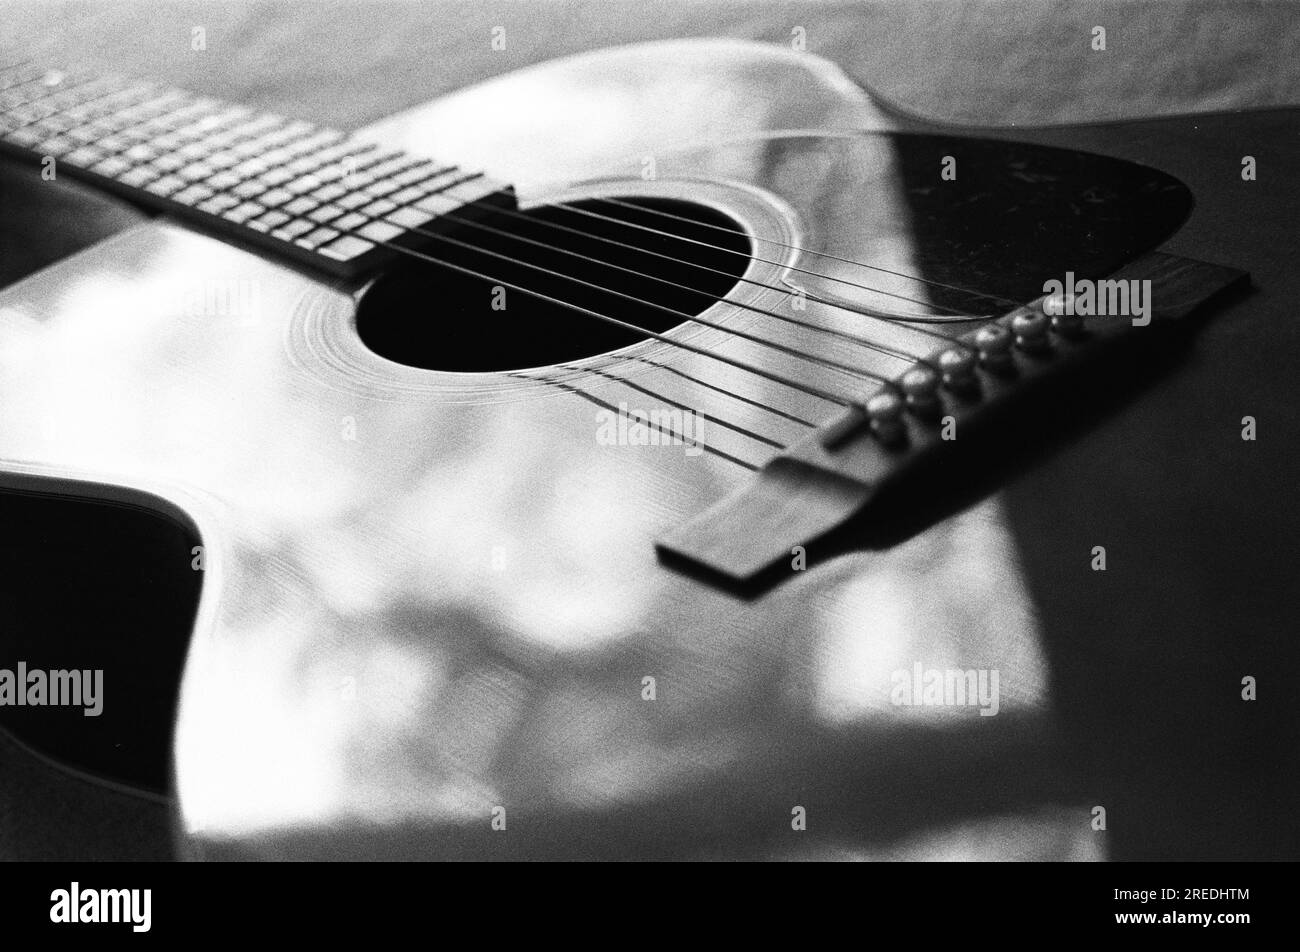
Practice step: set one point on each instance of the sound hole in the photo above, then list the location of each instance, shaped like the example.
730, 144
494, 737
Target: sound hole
424, 315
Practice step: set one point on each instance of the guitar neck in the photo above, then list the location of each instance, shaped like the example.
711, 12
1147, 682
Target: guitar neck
313, 195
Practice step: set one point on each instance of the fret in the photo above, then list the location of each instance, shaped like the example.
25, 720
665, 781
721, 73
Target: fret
310, 194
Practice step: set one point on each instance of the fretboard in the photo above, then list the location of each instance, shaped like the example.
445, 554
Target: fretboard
314, 195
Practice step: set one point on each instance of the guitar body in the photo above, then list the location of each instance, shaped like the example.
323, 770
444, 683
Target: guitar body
430, 599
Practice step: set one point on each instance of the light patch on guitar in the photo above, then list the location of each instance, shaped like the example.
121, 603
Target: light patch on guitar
951, 600
547, 563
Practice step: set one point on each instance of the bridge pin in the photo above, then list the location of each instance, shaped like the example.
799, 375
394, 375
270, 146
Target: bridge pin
1030, 330
1060, 308
957, 365
993, 341
920, 387
885, 410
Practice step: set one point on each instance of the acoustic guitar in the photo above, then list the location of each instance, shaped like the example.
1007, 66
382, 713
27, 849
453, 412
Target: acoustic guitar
666, 452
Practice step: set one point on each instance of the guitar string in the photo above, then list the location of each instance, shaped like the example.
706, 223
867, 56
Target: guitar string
830, 397
811, 389
885, 349
683, 315
881, 348
757, 437
776, 411
954, 318
846, 368
1001, 301
874, 345
592, 398
957, 316
81, 79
